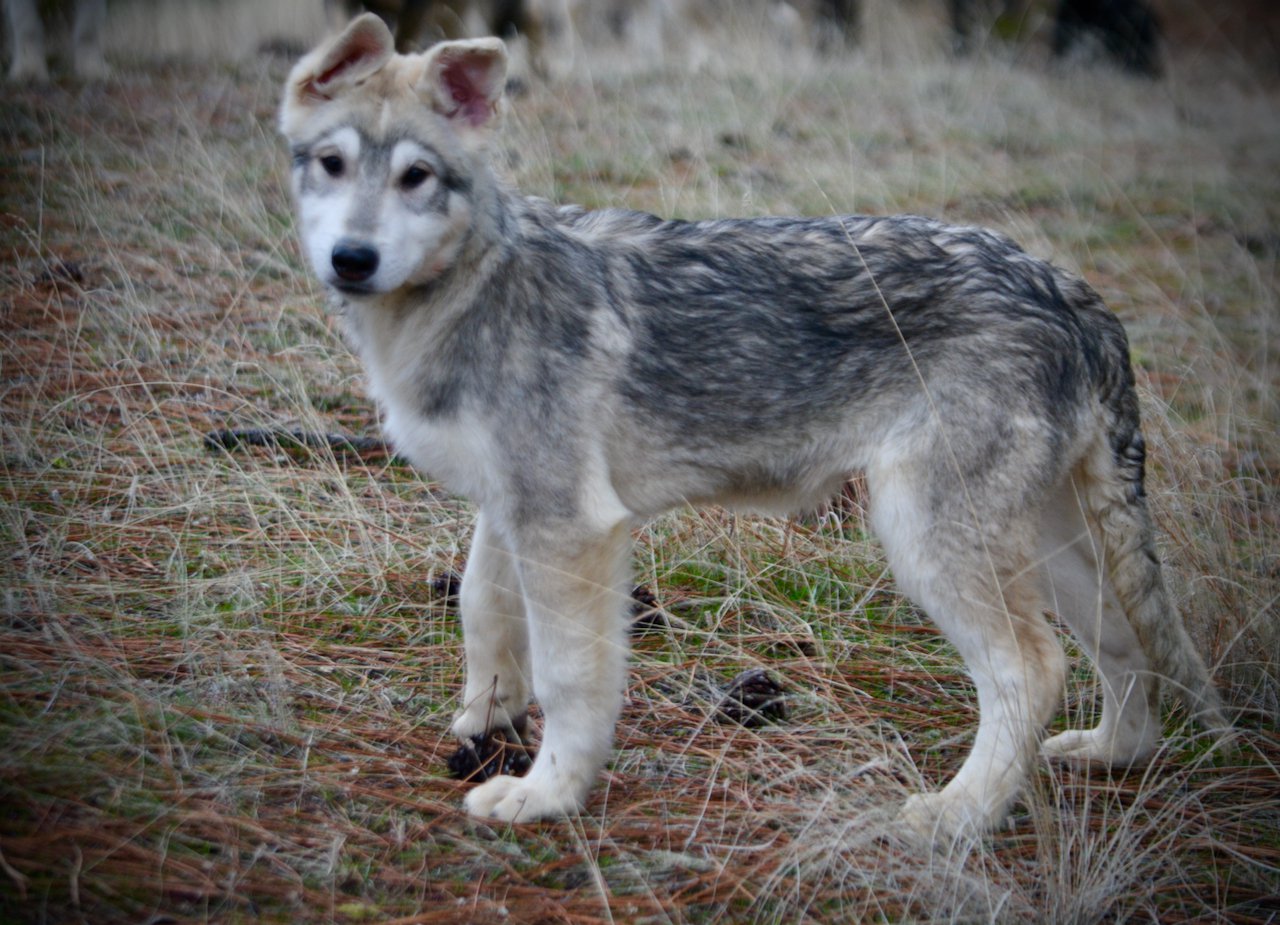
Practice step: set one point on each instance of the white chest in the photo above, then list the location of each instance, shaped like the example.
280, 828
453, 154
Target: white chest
457, 449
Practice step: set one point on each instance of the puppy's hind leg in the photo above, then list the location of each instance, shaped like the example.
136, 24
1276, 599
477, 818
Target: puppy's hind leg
496, 638
977, 584
1082, 596
574, 590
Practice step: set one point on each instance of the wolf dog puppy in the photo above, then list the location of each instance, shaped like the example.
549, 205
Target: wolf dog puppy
572, 372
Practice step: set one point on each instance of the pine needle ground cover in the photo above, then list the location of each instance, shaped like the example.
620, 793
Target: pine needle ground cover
227, 670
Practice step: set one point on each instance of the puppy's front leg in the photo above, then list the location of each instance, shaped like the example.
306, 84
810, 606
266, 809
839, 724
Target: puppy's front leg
496, 639
574, 594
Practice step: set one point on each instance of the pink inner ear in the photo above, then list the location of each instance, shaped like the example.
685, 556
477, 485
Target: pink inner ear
360, 48
466, 80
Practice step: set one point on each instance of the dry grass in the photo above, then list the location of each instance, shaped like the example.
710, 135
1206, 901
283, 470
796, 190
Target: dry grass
225, 680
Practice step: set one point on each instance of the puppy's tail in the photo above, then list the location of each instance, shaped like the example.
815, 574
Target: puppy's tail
1114, 490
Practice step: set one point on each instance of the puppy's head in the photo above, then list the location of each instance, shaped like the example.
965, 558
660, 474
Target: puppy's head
386, 153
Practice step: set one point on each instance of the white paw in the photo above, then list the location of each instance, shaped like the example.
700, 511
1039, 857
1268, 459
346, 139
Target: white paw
520, 799
943, 815
1098, 747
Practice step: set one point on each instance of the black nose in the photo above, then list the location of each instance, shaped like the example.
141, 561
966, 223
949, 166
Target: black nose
354, 262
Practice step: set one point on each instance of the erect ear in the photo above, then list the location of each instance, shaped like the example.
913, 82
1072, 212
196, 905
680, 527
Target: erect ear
464, 81
364, 47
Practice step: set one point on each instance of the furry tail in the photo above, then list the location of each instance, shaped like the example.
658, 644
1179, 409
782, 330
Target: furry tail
1116, 498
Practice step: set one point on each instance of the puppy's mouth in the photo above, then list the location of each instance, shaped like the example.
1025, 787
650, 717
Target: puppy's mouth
351, 288
355, 288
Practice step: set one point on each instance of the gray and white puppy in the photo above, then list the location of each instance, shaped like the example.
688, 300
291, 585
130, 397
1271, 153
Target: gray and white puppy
572, 372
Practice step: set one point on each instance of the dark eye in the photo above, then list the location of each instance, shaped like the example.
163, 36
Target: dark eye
415, 176
332, 165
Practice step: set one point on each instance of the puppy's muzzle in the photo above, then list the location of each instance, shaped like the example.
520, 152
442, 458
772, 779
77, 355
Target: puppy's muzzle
353, 261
